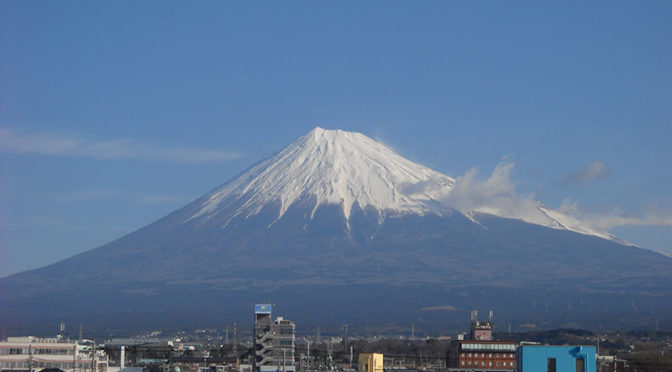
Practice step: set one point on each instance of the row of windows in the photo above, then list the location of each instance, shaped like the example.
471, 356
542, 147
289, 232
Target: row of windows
483, 363
498, 355
37, 364
21, 351
12, 351
495, 347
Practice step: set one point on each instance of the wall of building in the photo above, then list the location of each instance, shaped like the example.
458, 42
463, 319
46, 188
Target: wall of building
284, 336
535, 358
370, 362
481, 355
274, 341
32, 353
263, 340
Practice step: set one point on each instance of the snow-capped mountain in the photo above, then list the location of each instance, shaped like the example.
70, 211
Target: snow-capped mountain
336, 167
337, 227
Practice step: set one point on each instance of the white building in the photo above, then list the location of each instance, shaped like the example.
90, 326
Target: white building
32, 354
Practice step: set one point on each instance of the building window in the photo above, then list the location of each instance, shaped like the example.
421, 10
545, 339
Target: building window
469, 355
550, 365
497, 355
462, 362
490, 364
490, 355
499, 363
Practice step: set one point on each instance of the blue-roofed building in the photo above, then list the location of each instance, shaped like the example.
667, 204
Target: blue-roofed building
551, 358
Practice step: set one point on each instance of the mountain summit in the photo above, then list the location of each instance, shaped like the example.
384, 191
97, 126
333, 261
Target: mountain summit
338, 228
334, 167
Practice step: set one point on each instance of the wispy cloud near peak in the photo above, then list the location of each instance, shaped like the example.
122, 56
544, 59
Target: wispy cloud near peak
55, 144
497, 195
617, 217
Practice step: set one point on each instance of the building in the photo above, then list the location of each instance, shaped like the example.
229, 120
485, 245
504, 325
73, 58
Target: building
274, 341
27, 354
481, 330
284, 337
481, 352
481, 355
370, 362
263, 343
548, 358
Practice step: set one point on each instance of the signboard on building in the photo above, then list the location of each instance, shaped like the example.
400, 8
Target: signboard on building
262, 308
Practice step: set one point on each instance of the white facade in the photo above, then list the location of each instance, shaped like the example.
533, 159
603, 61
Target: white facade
34, 354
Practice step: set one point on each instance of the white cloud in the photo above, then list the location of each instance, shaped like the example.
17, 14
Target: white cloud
55, 144
591, 172
496, 195
616, 217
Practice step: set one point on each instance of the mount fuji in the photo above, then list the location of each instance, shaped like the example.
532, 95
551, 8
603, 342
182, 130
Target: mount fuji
346, 169
335, 228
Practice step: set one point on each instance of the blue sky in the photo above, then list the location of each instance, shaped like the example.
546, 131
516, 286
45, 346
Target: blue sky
115, 114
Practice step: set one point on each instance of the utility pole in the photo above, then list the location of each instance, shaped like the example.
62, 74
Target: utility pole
329, 359
122, 358
235, 341
345, 339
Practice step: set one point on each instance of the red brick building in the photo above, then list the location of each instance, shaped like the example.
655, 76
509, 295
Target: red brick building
481, 355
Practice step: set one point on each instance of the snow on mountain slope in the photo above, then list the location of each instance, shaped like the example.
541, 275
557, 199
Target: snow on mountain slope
344, 168
335, 167
569, 223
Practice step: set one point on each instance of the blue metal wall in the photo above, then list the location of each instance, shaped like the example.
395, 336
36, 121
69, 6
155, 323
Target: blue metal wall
533, 358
